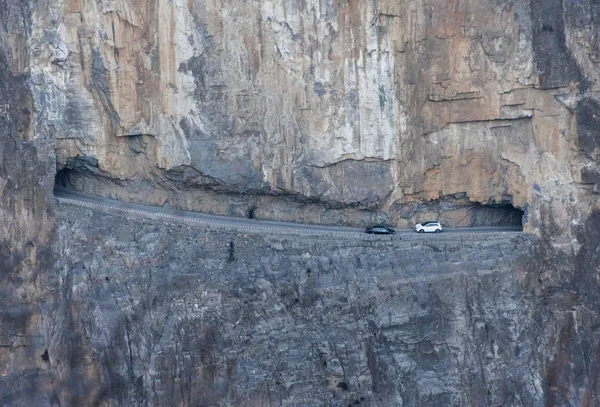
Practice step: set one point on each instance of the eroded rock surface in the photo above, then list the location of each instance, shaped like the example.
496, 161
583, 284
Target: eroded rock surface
163, 314
27, 229
342, 113
362, 110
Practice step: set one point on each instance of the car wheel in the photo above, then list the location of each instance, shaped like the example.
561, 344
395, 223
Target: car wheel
422, 231
438, 230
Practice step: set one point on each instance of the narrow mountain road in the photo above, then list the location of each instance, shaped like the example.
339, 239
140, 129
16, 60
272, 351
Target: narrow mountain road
64, 195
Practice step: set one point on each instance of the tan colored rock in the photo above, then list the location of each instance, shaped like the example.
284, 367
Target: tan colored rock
304, 98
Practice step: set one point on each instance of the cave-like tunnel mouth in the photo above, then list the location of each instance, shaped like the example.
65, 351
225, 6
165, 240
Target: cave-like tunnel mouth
61, 179
495, 215
81, 170
75, 170
67, 178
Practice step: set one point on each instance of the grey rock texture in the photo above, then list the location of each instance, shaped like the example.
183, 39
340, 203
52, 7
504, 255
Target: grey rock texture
344, 113
159, 314
27, 228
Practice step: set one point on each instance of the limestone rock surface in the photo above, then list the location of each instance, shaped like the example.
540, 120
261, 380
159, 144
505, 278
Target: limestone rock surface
344, 112
358, 111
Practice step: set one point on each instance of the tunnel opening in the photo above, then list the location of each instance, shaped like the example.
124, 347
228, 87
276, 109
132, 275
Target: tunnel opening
252, 212
504, 214
457, 210
77, 171
61, 178
67, 178
83, 174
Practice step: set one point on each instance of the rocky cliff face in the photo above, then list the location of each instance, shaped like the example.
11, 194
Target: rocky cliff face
159, 314
27, 228
355, 110
327, 112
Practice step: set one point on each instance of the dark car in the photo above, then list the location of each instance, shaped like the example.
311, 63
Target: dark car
380, 230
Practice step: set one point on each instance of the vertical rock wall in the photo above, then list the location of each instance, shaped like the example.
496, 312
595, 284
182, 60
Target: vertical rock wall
319, 111
164, 314
27, 230
379, 106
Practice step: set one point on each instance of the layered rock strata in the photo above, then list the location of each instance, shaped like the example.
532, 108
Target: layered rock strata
356, 111
347, 112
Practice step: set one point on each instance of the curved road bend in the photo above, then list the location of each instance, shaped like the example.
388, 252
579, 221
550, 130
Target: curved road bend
65, 195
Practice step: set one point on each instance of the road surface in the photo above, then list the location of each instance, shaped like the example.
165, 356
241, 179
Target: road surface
64, 195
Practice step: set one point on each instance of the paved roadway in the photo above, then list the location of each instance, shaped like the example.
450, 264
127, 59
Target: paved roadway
65, 195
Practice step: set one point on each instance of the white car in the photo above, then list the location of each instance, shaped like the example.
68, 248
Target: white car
432, 226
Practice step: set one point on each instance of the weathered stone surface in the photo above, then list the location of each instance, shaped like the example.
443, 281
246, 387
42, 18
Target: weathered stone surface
555, 63
358, 105
27, 229
343, 113
164, 314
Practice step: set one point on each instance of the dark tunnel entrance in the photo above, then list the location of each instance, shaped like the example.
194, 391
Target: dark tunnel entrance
83, 174
62, 178
77, 171
495, 215
458, 211
67, 178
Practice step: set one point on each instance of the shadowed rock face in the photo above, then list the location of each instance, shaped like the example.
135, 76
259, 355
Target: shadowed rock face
588, 135
27, 229
164, 314
342, 113
368, 108
555, 63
